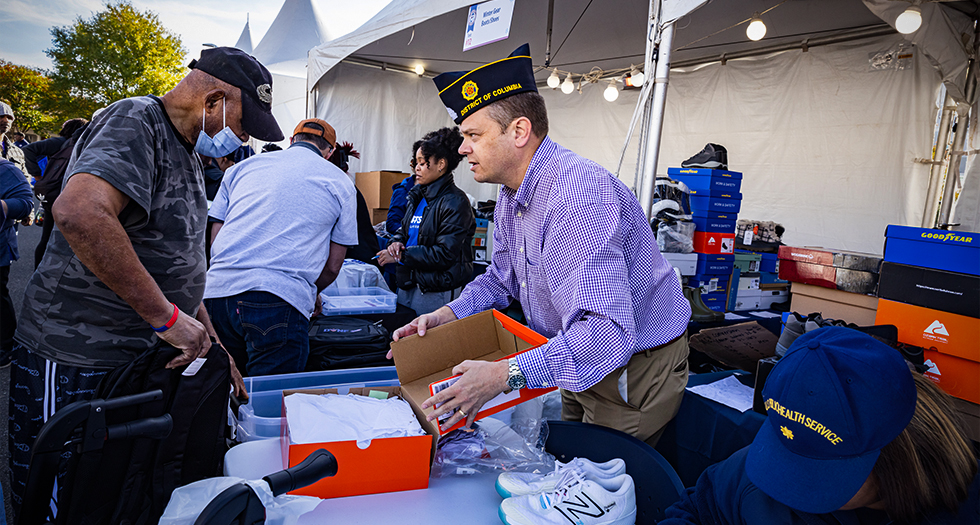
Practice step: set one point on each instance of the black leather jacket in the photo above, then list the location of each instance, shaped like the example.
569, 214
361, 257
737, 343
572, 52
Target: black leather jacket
443, 259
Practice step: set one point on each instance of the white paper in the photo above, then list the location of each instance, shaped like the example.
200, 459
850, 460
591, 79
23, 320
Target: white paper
488, 22
334, 417
766, 315
499, 399
729, 391
734, 317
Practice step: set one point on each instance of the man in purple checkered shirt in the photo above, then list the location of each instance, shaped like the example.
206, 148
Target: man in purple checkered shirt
572, 244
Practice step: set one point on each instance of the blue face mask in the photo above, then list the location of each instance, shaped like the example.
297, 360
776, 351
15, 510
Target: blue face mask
223, 143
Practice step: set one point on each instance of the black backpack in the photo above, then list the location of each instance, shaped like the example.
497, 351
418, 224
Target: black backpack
49, 186
130, 482
346, 342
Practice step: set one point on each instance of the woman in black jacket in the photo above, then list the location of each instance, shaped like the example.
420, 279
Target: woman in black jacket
433, 246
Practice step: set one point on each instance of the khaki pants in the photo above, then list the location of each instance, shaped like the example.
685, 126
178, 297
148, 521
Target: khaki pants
653, 383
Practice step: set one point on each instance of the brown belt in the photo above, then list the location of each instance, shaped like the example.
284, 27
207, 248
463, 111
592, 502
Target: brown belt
649, 351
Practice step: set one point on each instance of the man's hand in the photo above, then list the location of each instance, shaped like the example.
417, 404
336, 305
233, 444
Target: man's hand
422, 323
481, 381
236, 379
189, 336
317, 305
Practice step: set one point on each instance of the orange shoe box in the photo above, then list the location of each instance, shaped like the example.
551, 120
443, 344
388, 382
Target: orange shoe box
714, 242
952, 344
403, 463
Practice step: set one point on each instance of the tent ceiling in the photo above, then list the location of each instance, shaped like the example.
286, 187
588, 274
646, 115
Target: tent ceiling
590, 44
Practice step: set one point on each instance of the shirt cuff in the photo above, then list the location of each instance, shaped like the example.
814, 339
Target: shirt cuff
535, 370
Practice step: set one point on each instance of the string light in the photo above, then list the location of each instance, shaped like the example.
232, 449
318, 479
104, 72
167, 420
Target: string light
909, 21
756, 29
567, 86
636, 77
611, 93
553, 80
419, 70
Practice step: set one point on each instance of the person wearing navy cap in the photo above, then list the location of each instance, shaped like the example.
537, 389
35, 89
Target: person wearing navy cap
573, 245
125, 266
853, 436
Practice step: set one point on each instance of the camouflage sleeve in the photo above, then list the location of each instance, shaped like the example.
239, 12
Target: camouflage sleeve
119, 149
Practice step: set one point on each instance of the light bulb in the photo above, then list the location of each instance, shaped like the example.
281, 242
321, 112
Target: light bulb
611, 93
756, 29
419, 69
553, 80
909, 21
567, 86
637, 78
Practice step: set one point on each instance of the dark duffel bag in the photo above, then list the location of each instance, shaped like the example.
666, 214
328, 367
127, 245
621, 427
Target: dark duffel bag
346, 342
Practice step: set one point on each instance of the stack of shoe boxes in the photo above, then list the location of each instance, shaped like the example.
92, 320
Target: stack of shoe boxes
838, 284
715, 202
930, 289
755, 282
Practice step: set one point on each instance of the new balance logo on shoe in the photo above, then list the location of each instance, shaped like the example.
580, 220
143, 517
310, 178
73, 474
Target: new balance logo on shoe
582, 505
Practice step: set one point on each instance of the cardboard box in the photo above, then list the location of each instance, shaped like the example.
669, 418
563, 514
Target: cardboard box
828, 276
386, 465
854, 308
715, 264
740, 345
771, 297
939, 249
951, 334
958, 293
379, 215
486, 336
714, 222
747, 300
748, 261
707, 178
716, 201
865, 262
748, 281
709, 283
769, 263
715, 300
376, 186
958, 377
687, 263
714, 242
403, 463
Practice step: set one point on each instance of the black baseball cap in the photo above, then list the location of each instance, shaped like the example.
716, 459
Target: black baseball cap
243, 71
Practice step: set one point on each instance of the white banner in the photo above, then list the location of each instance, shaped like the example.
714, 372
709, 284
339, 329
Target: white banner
488, 22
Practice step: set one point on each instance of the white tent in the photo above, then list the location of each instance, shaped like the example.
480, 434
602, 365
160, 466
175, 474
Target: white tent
245, 40
827, 136
298, 27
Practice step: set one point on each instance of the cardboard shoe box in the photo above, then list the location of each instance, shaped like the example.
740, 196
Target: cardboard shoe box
715, 264
709, 221
403, 463
715, 201
865, 262
714, 243
376, 186
687, 263
707, 178
939, 249
957, 293
854, 308
379, 215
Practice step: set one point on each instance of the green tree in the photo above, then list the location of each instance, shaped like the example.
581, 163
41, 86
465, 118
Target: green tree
27, 90
118, 53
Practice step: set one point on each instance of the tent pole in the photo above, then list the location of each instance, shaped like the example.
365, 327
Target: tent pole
551, 20
935, 172
956, 154
656, 121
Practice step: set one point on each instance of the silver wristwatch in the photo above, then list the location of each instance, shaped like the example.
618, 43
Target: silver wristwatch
515, 379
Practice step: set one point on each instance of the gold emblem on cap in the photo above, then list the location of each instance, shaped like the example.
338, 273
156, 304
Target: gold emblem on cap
470, 90
265, 93
787, 432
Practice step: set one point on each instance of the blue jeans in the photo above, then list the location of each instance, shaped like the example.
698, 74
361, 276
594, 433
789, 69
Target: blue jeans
261, 331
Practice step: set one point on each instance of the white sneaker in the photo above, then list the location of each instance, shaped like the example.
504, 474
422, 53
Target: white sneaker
511, 484
575, 501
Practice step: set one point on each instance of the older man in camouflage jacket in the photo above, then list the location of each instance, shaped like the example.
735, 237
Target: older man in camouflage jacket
125, 264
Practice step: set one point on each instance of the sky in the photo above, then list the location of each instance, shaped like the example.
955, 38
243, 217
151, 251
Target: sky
25, 25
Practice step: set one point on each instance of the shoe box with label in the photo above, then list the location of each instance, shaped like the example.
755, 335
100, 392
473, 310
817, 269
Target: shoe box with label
930, 289
404, 463
687, 263
844, 270
832, 303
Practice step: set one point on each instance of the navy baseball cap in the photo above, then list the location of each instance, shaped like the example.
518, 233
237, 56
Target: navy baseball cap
243, 71
464, 92
834, 400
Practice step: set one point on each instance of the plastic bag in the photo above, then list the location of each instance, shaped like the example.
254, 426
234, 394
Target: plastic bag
187, 502
676, 237
495, 445
357, 274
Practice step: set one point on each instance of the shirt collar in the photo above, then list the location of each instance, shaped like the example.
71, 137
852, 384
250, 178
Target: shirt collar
306, 145
539, 162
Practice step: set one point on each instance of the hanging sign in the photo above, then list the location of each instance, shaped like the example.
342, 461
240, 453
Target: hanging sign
488, 22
